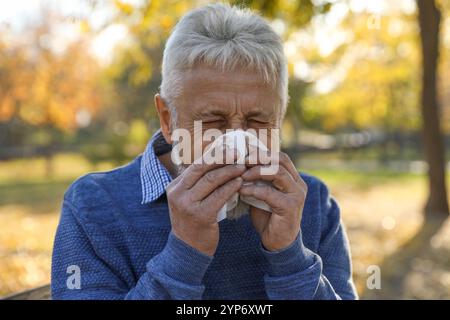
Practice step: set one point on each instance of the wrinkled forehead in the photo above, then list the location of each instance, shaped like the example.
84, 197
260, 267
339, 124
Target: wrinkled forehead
209, 89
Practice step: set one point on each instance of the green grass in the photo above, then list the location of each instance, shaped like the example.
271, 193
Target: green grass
364, 180
41, 195
25, 182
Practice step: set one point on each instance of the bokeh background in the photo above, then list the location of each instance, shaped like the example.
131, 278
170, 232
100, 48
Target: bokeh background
77, 80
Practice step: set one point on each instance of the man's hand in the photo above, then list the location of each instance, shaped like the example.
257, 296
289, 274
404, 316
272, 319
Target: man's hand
196, 196
286, 198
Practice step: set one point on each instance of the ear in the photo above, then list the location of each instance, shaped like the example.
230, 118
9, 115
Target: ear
164, 118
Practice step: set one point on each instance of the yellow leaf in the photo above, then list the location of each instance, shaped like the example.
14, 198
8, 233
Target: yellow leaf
126, 8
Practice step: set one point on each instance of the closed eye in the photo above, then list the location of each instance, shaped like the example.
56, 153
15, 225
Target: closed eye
258, 121
213, 121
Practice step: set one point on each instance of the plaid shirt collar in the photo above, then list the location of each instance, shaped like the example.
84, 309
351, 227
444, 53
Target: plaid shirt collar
154, 176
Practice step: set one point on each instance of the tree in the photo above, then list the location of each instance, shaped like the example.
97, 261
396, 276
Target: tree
379, 87
52, 91
298, 14
429, 22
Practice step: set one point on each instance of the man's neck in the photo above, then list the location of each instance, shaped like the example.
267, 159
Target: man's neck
166, 161
163, 151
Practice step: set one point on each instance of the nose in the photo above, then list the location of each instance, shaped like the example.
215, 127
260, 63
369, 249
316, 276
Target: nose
237, 123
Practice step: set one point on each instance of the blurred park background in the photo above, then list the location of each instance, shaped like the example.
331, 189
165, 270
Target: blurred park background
77, 80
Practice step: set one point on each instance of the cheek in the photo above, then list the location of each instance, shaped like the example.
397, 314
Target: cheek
269, 134
198, 145
273, 140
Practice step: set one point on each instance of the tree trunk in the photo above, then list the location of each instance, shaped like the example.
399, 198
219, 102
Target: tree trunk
429, 22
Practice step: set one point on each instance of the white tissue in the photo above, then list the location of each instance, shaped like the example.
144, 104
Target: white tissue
238, 140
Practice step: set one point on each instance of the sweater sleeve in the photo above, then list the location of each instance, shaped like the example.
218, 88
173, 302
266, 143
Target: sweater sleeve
175, 273
298, 273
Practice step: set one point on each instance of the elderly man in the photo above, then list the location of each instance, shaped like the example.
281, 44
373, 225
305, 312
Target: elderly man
149, 229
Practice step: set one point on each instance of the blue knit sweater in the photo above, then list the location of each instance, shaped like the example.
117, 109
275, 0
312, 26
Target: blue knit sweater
124, 249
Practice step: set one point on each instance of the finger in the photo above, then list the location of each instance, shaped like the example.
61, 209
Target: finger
214, 179
257, 157
266, 193
281, 179
287, 163
196, 170
217, 199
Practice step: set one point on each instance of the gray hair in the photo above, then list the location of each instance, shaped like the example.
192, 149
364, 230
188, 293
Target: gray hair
225, 37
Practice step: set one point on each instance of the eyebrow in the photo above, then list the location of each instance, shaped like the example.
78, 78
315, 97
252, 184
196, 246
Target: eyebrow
257, 113
218, 112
